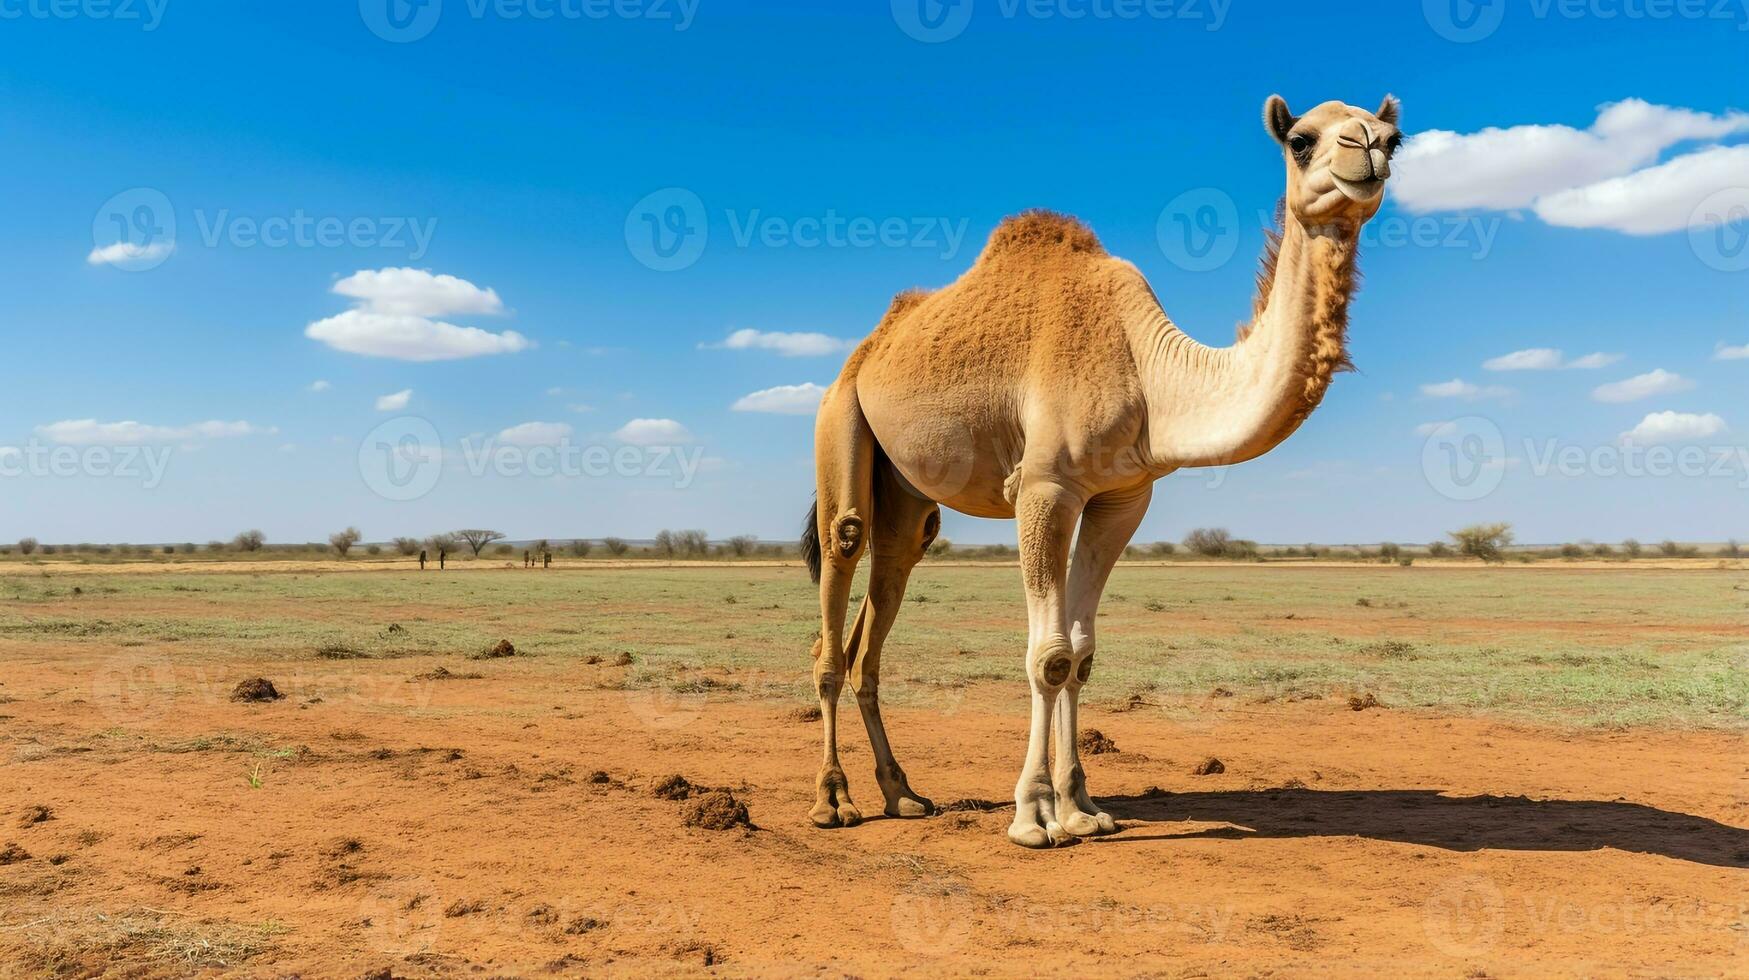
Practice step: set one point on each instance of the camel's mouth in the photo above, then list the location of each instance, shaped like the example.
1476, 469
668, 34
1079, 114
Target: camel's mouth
1360, 191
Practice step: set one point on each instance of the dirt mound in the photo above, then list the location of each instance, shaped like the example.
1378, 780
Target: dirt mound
35, 814
1092, 741
600, 777
256, 689
805, 714
12, 854
717, 810
445, 674
1361, 702
623, 660
675, 787
499, 650
1209, 767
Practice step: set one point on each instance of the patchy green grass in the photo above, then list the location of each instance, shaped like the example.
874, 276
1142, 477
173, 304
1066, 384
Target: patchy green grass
1582, 646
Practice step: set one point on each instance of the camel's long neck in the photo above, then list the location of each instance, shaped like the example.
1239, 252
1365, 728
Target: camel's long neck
1213, 406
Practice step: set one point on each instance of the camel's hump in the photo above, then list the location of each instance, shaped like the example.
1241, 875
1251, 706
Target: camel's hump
1039, 232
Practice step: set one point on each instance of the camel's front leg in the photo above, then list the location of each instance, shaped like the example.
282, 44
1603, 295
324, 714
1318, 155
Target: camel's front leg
1046, 515
1106, 528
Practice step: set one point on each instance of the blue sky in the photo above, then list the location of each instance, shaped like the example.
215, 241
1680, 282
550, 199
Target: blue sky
466, 203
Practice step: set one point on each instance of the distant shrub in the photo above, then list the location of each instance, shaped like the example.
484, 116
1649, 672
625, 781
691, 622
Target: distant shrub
1210, 542
438, 543
26, 546
616, 547
1390, 551
1670, 549
1602, 551
940, 547
581, 547
1731, 549
1485, 541
1405, 560
49, 549
1572, 551
741, 545
1438, 549
406, 546
1163, 548
1633, 548
251, 540
342, 541
503, 549
374, 549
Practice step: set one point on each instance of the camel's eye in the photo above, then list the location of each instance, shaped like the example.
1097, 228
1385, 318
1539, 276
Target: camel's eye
1395, 141
1301, 145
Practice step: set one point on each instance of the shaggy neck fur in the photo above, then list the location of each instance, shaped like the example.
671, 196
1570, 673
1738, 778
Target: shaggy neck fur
1217, 406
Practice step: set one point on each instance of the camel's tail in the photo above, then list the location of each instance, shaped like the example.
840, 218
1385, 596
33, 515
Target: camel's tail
811, 542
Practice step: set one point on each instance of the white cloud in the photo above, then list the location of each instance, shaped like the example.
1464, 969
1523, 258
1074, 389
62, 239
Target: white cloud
410, 338
416, 292
129, 252
1535, 359
787, 344
1548, 359
653, 432
1658, 382
535, 434
1505, 169
89, 432
1675, 427
393, 316
1459, 388
1592, 362
395, 402
1725, 352
802, 399
320, 385
1657, 199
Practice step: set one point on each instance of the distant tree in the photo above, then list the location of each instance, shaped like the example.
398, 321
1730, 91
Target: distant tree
27, 546
616, 547
1485, 541
1633, 548
249, 541
1209, 541
406, 546
940, 547
581, 547
477, 538
503, 549
1572, 551
1671, 549
1731, 549
541, 547
342, 541
694, 543
216, 546
1390, 551
741, 545
441, 542
1163, 548
663, 544
373, 549
1603, 551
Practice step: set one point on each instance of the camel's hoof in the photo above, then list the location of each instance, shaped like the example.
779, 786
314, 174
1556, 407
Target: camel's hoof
910, 807
1036, 837
848, 814
1089, 824
823, 816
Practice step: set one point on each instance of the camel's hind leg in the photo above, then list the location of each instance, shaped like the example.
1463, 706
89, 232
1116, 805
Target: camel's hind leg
844, 454
1106, 526
904, 525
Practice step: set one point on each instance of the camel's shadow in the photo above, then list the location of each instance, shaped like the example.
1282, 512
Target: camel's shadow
1424, 816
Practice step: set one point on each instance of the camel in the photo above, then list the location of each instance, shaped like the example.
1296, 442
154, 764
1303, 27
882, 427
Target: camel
1047, 385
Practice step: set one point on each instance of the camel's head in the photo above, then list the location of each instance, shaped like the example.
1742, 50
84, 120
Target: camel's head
1338, 158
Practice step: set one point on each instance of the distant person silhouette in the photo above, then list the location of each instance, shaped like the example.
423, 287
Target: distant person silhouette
422, 559
441, 555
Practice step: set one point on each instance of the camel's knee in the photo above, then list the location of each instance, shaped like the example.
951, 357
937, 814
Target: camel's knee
848, 538
1051, 663
828, 670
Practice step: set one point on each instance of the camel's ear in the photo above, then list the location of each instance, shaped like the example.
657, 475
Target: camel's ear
1277, 119
1389, 109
